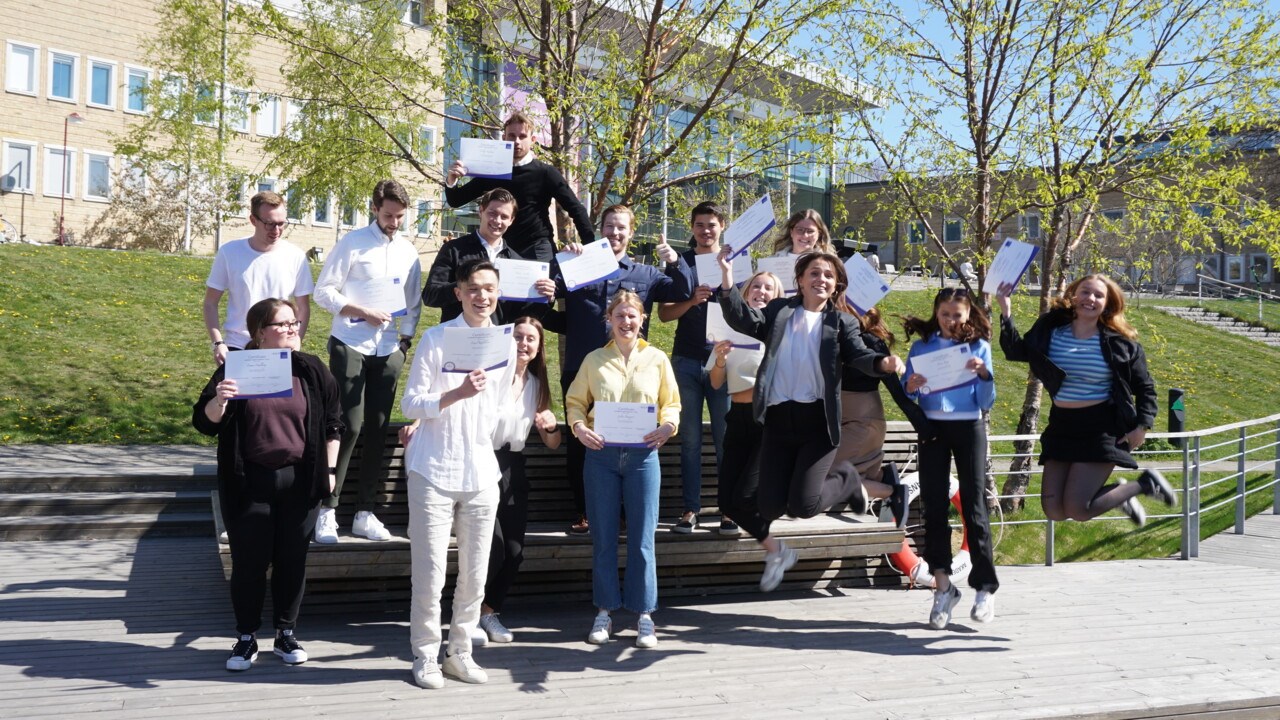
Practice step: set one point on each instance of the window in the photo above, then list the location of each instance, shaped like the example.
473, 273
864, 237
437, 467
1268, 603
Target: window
1029, 226
18, 168
206, 105
293, 204
1259, 267
134, 177
322, 216
97, 176
292, 113
20, 68
413, 12
238, 113
267, 185
102, 84
234, 204
953, 230
426, 221
137, 89
59, 169
916, 232
427, 145
171, 96
1114, 215
268, 115
348, 216
1235, 268
62, 75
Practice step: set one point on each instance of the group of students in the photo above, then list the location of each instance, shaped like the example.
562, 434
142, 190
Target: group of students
798, 423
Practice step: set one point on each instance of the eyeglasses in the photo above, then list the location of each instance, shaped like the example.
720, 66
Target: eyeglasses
286, 325
271, 225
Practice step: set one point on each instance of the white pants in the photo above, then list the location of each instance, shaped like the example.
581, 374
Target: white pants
434, 514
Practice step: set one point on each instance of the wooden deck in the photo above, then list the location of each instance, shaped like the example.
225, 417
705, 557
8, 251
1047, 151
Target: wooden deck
140, 629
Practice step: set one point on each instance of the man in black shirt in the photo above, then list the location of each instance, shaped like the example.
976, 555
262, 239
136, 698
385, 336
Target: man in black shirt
534, 184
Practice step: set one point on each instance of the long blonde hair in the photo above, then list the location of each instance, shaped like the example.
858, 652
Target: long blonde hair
1112, 313
783, 241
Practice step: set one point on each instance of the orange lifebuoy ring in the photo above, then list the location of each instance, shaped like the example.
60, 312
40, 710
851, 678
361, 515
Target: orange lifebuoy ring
911, 565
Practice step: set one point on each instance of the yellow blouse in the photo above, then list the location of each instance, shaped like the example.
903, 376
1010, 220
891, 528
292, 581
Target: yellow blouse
606, 377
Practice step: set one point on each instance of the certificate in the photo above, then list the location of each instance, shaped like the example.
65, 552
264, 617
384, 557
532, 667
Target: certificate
624, 424
784, 267
718, 329
750, 226
261, 373
468, 348
707, 266
597, 262
1013, 259
384, 293
866, 287
944, 369
487, 158
517, 277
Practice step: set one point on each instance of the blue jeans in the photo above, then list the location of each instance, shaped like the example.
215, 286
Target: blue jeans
694, 383
619, 477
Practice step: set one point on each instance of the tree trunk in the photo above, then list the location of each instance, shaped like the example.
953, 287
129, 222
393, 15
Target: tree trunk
1019, 478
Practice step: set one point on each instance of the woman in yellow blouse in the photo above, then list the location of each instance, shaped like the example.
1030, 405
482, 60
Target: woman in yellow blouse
619, 473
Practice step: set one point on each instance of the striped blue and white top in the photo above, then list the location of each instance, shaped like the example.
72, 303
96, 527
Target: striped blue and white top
1088, 377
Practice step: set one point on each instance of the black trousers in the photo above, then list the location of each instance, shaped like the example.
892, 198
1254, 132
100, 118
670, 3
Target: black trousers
507, 551
367, 384
796, 476
737, 493
270, 527
966, 441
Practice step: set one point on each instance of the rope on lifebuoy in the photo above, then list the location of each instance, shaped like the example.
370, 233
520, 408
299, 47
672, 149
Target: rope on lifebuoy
911, 565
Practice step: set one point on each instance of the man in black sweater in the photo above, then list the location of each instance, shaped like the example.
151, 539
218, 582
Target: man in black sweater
534, 184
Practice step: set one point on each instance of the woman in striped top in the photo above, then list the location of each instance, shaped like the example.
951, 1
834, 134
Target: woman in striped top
1104, 400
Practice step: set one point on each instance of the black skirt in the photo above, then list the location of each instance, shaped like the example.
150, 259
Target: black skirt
1084, 435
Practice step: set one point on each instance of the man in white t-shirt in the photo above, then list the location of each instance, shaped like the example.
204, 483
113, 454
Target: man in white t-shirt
261, 266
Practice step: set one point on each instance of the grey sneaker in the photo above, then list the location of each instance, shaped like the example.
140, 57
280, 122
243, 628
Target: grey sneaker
494, 629
943, 602
601, 630
776, 565
984, 607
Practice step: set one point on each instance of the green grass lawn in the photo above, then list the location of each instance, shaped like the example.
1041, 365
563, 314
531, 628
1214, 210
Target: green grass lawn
1241, 309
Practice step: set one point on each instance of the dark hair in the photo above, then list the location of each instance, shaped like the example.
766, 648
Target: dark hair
389, 190
872, 322
473, 266
824, 235
977, 327
260, 314
538, 364
498, 195
517, 118
708, 208
267, 198
842, 277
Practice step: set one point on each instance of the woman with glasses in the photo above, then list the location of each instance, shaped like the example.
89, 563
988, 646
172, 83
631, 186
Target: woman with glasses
275, 463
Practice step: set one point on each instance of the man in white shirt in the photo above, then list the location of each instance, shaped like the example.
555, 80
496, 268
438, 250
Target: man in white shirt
370, 283
453, 481
261, 266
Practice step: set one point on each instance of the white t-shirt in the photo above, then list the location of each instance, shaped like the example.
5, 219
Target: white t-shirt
515, 416
798, 354
248, 276
740, 368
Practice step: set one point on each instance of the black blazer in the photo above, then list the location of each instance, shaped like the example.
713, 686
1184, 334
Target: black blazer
841, 347
1133, 392
437, 291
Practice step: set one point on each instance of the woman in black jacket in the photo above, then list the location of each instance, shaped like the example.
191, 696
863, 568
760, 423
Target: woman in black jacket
1104, 400
275, 464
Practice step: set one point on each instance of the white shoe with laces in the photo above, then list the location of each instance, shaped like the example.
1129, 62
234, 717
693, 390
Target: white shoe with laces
984, 607
426, 673
494, 630
601, 630
776, 566
367, 525
327, 527
460, 666
943, 602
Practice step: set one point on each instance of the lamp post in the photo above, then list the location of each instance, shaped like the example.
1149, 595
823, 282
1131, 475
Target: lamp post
66, 172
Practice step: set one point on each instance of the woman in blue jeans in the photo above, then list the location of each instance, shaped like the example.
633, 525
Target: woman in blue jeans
623, 475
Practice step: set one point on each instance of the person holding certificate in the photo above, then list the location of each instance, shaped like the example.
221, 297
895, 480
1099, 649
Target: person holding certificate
1104, 400
634, 384
276, 459
370, 283
949, 375
488, 242
809, 339
533, 184
454, 481
803, 232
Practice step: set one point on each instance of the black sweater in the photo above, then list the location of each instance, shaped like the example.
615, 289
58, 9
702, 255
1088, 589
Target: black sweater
534, 185
442, 278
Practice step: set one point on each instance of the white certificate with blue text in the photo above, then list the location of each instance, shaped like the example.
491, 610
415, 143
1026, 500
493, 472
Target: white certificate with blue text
784, 266
866, 287
1011, 262
487, 158
707, 266
718, 329
261, 373
384, 293
482, 348
624, 424
750, 226
597, 262
516, 279
944, 369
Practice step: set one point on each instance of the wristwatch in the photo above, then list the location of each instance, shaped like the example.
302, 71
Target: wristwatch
216, 343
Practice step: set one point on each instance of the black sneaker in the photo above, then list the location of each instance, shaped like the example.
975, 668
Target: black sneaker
729, 528
898, 505
288, 649
243, 654
580, 526
1154, 484
688, 521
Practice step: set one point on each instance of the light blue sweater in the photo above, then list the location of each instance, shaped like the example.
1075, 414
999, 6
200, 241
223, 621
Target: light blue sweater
959, 403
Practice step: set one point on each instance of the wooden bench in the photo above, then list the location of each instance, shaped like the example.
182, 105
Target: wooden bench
836, 550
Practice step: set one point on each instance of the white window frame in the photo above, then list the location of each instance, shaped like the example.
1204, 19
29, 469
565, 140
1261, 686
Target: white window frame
1023, 226
240, 99
213, 93
292, 109
112, 66
129, 71
265, 101
75, 76
288, 199
67, 165
1235, 270
342, 216
422, 207
327, 204
33, 156
89, 156
947, 222
270, 181
33, 71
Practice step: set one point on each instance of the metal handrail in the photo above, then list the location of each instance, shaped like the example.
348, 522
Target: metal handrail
1213, 281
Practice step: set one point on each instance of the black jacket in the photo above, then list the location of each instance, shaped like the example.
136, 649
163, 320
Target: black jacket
854, 381
442, 278
841, 347
323, 423
1133, 392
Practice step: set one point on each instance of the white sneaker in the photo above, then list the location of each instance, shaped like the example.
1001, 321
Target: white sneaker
478, 637
460, 666
327, 527
601, 629
645, 636
984, 607
776, 565
367, 525
427, 674
494, 629
943, 602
